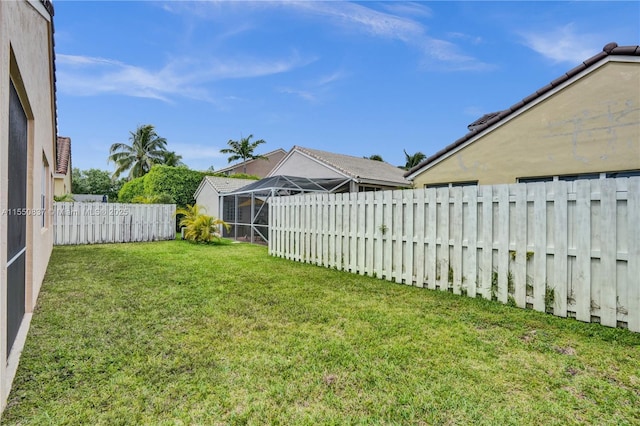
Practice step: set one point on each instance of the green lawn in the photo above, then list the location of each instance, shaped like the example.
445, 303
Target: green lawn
175, 333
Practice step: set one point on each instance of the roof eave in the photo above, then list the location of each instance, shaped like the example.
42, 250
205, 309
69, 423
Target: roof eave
611, 52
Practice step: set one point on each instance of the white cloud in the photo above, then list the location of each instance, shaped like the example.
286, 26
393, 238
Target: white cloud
361, 18
444, 55
409, 9
85, 76
439, 54
562, 44
304, 94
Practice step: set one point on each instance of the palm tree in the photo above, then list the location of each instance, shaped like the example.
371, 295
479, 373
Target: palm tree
198, 226
413, 160
145, 150
243, 150
170, 158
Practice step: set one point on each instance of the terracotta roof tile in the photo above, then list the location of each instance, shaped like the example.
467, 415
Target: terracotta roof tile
63, 155
609, 49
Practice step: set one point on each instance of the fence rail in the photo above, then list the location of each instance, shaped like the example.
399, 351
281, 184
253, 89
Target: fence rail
566, 248
95, 223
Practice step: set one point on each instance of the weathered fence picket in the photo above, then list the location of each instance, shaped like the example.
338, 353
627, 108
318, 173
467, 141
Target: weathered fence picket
567, 248
96, 223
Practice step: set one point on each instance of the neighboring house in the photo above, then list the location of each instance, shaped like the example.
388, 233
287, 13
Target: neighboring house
27, 162
363, 174
62, 175
258, 167
584, 124
212, 188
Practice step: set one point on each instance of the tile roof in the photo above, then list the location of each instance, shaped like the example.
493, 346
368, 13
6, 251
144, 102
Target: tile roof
222, 185
227, 184
489, 120
63, 155
358, 168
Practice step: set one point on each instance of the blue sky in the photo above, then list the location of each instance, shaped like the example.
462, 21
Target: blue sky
356, 78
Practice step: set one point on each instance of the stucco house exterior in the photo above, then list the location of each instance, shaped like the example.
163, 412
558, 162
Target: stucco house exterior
62, 174
364, 174
27, 163
584, 124
257, 167
212, 188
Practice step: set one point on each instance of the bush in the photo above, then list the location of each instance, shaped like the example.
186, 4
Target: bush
166, 184
130, 190
153, 199
200, 227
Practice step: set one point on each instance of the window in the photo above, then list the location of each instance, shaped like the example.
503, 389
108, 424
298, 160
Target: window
580, 176
451, 184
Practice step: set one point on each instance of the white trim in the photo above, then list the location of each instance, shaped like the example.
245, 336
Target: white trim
37, 5
525, 108
14, 258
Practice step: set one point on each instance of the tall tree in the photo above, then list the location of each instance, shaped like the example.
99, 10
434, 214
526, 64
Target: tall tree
374, 157
170, 158
413, 160
145, 150
95, 181
243, 150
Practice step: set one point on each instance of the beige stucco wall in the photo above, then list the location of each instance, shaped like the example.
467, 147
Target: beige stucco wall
25, 30
210, 200
62, 184
592, 125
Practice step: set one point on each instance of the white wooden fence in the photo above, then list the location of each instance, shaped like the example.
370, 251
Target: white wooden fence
567, 248
95, 223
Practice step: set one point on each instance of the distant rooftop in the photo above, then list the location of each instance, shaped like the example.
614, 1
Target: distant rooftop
63, 155
358, 168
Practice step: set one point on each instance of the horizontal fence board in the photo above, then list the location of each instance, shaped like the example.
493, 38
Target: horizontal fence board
99, 223
567, 248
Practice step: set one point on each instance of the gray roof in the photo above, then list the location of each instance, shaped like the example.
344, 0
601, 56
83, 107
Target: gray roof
223, 185
359, 168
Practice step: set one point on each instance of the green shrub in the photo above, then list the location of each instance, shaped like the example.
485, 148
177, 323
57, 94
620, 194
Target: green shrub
66, 198
153, 199
200, 227
166, 184
130, 190
179, 183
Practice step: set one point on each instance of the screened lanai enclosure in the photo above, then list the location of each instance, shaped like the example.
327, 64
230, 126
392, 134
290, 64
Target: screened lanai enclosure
247, 209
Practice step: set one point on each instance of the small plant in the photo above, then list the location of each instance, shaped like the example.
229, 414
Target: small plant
383, 229
200, 227
513, 253
549, 298
529, 285
510, 284
494, 284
